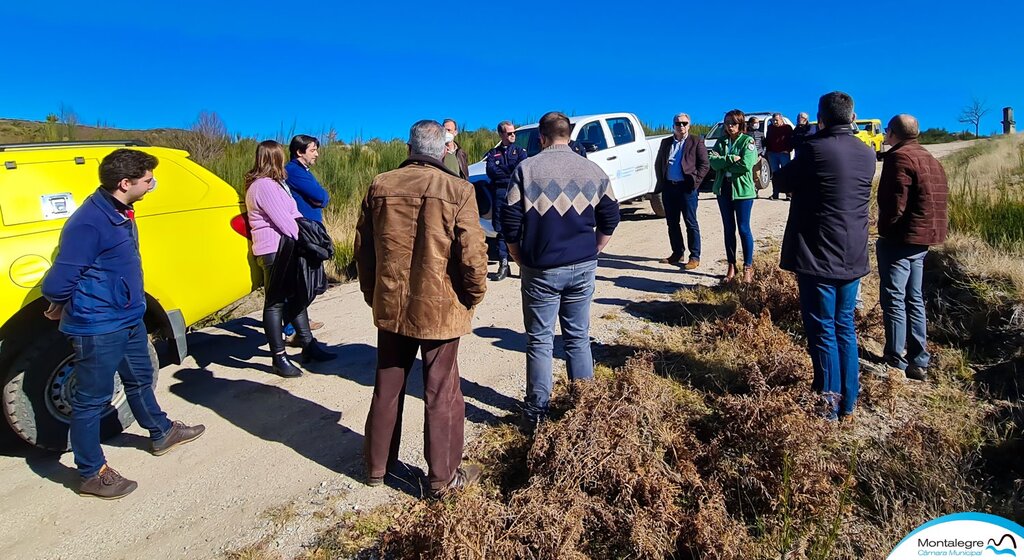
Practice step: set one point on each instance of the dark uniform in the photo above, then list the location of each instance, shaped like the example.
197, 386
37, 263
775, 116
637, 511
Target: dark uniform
501, 162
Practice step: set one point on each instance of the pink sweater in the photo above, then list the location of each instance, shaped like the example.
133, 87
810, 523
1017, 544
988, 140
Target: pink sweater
272, 213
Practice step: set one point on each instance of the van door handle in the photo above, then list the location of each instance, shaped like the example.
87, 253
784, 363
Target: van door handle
641, 150
611, 158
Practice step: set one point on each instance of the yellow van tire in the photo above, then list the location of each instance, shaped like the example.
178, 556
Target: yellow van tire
37, 390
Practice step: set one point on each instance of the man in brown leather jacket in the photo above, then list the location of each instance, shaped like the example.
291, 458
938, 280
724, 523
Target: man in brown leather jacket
422, 264
912, 214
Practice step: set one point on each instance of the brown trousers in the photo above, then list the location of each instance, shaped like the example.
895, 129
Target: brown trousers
442, 395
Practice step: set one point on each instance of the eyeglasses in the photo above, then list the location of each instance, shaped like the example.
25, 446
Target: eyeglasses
681, 123
731, 123
510, 133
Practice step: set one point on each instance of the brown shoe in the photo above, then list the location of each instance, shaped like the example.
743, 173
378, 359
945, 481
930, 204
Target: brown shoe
315, 325
107, 484
748, 274
692, 264
671, 259
179, 434
464, 476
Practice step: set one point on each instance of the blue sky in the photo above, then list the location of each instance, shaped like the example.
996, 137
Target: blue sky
370, 69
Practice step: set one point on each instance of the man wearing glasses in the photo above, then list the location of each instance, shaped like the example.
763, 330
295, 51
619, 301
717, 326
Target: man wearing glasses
680, 167
501, 162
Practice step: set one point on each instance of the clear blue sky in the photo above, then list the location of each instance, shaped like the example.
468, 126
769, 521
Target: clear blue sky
372, 68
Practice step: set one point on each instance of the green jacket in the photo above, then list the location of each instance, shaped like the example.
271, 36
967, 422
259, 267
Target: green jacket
742, 171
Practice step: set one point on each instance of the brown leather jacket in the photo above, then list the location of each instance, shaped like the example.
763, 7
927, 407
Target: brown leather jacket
912, 196
420, 251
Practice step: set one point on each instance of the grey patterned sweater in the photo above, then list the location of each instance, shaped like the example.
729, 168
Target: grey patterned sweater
556, 200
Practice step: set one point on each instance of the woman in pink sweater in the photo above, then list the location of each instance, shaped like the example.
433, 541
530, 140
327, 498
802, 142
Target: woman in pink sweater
272, 214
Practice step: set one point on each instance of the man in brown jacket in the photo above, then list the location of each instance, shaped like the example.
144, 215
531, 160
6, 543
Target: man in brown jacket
912, 197
422, 264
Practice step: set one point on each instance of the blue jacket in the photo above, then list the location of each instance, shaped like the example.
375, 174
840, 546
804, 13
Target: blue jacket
830, 182
501, 162
97, 274
309, 196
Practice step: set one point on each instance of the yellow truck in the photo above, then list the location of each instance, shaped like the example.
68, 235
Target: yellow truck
195, 256
870, 132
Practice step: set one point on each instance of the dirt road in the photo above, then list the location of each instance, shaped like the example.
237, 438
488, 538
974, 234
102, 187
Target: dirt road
279, 453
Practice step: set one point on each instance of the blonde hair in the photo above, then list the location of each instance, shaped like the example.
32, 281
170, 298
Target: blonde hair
270, 161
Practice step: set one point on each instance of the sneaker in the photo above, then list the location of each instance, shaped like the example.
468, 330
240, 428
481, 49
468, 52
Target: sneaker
917, 373
179, 434
464, 476
107, 484
692, 264
671, 259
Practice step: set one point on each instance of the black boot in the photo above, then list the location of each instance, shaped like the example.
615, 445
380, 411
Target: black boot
503, 270
314, 352
284, 367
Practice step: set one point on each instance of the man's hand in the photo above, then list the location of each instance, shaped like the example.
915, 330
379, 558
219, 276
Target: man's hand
602, 241
53, 312
513, 251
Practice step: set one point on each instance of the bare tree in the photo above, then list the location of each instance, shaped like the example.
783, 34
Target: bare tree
205, 140
972, 114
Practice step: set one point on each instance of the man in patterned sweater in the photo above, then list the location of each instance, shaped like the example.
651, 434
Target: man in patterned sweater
560, 213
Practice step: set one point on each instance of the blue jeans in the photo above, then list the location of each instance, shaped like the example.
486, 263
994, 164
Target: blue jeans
736, 214
499, 194
679, 202
901, 274
563, 292
827, 309
776, 160
96, 359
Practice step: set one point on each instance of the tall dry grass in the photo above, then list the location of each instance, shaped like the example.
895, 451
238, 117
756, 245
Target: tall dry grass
986, 183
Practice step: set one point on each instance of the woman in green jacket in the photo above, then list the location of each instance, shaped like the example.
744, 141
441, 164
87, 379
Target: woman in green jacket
733, 159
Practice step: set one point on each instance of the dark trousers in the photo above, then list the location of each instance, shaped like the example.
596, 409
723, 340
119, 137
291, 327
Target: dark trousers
679, 202
442, 396
273, 314
97, 357
499, 194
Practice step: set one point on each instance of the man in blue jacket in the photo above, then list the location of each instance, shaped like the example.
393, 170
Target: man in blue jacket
501, 162
826, 245
95, 290
310, 197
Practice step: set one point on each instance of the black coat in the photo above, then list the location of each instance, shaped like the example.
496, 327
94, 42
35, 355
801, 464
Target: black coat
297, 276
830, 182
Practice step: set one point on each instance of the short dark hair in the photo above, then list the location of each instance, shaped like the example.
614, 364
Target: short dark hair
300, 144
835, 108
125, 164
555, 125
446, 121
738, 116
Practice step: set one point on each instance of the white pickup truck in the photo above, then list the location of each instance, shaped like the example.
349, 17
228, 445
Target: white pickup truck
615, 141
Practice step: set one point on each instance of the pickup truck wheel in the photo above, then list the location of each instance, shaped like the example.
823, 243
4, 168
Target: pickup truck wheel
657, 205
763, 175
37, 392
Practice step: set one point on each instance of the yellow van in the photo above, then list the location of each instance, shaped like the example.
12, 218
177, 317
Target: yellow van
870, 132
195, 257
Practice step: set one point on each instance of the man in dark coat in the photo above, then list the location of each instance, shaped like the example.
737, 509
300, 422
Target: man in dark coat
912, 214
501, 161
680, 166
826, 245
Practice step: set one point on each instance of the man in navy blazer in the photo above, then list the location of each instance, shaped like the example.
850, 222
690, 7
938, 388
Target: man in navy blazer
680, 167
